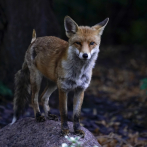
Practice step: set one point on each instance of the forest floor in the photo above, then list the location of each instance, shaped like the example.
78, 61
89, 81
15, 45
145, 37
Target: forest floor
115, 107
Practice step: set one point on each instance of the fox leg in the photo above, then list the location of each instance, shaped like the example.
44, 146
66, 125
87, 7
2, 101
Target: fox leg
63, 111
50, 88
35, 80
77, 103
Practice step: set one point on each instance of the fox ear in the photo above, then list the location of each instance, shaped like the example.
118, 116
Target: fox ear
100, 26
70, 26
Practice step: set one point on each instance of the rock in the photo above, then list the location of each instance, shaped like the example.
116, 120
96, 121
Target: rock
28, 132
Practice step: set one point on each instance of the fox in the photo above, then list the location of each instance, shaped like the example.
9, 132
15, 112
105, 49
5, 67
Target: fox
65, 65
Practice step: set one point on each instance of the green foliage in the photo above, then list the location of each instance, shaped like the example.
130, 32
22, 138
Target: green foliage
74, 142
137, 30
127, 23
144, 84
4, 90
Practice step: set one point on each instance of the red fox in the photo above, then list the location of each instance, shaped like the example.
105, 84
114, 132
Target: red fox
65, 65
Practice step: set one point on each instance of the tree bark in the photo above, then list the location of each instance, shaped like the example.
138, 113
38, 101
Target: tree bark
17, 21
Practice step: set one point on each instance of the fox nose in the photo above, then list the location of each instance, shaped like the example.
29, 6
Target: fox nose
85, 56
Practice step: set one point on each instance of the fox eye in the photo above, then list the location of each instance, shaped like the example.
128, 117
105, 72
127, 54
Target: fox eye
91, 43
79, 43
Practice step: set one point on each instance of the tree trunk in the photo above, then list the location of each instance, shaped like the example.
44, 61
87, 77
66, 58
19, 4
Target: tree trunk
17, 21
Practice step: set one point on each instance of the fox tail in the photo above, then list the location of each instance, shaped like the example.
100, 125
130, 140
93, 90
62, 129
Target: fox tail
22, 91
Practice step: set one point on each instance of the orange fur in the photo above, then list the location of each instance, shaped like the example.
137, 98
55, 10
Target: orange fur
50, 52
66, 65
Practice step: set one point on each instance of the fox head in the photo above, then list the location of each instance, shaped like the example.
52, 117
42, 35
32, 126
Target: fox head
84, 41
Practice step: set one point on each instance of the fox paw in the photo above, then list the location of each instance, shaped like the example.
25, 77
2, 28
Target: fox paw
64, 132
80, 133
52, 117
39, 117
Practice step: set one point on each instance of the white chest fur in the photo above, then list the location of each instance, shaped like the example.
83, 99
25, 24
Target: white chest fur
78, 72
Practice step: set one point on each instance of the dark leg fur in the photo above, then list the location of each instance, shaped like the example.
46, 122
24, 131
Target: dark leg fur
78, 100
77, 127
63, 112
39, 117
52, 117
35, 80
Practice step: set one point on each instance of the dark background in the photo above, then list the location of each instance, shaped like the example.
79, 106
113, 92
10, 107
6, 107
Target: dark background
127, 25
115, 98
